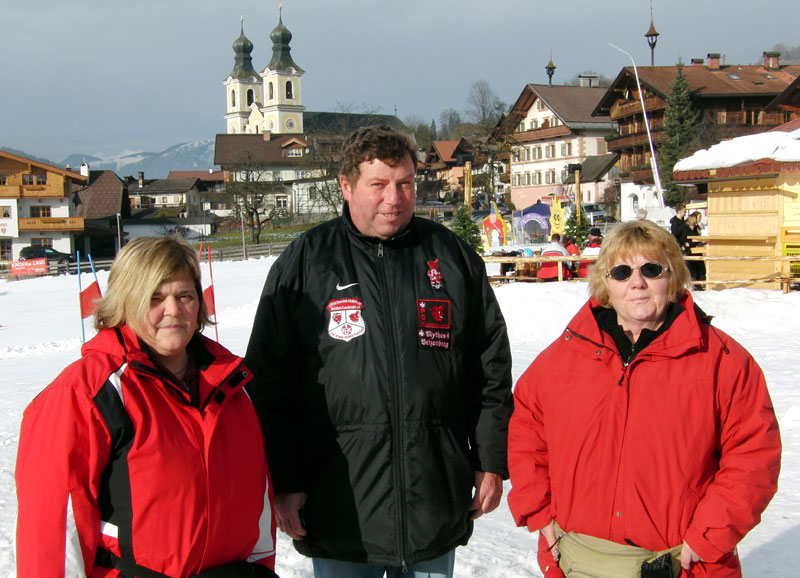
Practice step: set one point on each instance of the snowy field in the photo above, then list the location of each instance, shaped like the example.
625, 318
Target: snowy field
40, 335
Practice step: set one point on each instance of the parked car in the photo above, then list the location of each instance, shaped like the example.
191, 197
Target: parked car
589, 211
39, 251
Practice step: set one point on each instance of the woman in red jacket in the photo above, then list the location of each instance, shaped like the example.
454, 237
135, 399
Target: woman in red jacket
660, 449
145, 457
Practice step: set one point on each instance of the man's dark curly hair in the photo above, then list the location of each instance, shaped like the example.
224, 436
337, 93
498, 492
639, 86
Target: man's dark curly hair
374, 142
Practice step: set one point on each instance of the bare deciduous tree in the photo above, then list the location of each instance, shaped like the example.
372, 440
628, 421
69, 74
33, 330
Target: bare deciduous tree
484, 107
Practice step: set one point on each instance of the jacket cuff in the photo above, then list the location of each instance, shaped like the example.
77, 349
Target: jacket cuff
702, 547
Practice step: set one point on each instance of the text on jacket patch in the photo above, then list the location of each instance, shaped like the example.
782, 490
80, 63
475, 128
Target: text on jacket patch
346, 321
433, 323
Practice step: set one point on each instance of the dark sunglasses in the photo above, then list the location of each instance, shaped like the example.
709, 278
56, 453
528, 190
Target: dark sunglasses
649, 270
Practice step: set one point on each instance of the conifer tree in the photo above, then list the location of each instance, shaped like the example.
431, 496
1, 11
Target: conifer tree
679, 137
463, 226
572, 230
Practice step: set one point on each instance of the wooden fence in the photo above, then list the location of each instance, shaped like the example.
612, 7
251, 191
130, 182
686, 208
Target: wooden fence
524, 269
513, 268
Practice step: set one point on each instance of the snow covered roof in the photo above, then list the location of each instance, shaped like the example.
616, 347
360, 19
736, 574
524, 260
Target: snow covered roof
776, 145
759, 151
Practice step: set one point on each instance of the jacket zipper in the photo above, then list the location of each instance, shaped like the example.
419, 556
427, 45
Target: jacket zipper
397, 424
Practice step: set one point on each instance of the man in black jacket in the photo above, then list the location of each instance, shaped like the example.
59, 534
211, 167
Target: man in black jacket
680, 230
382, 377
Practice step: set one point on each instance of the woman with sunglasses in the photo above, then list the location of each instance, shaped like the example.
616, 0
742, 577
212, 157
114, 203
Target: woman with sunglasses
660, 449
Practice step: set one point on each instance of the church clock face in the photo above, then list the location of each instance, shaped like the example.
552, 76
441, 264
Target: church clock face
290, 124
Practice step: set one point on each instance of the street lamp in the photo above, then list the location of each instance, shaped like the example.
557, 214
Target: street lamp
653, 161
119, 232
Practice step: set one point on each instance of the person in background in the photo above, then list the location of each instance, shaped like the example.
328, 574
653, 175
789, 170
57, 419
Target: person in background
383, 378
641, 214
660, 450
697, 269
548, 270
678, 227
146, 455
592, 248
573, 250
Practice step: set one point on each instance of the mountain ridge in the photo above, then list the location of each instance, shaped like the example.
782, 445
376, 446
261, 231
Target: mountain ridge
197, 155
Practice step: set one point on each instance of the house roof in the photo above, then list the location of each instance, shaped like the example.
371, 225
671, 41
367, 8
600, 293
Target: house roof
101, 198
594, 169
232, 150
343, 123
767, 152
48, 167
162, 186
201, 175
789, 99
704, 82
444, 149
573, 105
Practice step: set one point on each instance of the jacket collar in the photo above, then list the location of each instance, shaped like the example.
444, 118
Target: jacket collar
405, 237
683, 334
214, 362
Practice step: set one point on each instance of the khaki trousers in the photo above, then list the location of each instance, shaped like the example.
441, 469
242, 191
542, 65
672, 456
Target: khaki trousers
585, 556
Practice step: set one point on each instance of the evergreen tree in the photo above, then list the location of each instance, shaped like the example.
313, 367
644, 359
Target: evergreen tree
463, 226
578, 232
681, 125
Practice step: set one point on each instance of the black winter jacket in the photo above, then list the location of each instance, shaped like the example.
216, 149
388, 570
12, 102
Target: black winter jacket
383, 380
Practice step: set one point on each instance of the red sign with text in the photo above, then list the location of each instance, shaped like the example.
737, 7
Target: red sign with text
29, 267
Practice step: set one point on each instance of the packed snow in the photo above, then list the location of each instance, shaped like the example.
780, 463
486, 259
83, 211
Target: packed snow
40, 333
777, 145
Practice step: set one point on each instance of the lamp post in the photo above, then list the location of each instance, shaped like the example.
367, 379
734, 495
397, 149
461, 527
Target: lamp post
244, 245
119, 232
653, 161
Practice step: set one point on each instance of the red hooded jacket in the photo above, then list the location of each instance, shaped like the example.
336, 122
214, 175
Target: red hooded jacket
187, 488
681, 444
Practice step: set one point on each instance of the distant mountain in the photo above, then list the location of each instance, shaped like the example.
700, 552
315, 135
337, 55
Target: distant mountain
190, 156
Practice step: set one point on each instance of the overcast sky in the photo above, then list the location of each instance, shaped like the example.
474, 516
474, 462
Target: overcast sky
101, 77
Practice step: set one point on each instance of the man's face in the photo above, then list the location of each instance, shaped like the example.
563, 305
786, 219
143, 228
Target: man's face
382, 199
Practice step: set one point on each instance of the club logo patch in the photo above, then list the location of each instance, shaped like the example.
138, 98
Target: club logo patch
346, 321
434, 274
433, 323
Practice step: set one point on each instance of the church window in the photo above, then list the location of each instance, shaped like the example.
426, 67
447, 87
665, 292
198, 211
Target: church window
271, 91
233, 99
249, 97
289, 93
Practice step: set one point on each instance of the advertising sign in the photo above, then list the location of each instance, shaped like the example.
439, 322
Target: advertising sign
29, 267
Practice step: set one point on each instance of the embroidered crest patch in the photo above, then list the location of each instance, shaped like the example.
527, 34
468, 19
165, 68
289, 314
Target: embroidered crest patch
346, 321
433, 323
434, 274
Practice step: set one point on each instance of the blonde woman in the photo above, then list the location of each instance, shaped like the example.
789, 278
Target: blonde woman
145, 457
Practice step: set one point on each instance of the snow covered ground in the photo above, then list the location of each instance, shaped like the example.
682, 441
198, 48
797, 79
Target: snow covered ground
40, 335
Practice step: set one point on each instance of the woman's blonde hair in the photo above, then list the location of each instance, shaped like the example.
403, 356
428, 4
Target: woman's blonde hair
137, 271
639, 238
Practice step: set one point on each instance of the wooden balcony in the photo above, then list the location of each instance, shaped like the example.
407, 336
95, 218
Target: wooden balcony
51, 224
42, 191
623, 109
9, 192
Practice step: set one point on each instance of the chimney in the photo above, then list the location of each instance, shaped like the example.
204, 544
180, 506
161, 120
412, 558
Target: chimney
713, 60
587, 80
85, 169
772, 60
698, 61
267, 135
141, 179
